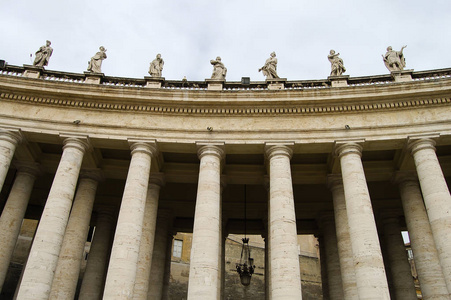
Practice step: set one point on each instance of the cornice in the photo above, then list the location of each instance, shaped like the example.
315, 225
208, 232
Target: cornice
363, 94
232, 109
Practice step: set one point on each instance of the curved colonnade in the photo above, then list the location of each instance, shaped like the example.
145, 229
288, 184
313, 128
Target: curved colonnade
352, 163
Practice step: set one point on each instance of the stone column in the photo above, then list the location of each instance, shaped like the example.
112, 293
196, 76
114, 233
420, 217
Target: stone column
324, 275
333, 261
285, 271
427, 263
204, 264
167, 267
13, 214
43, 258
9, 139
222, 258
267, 242
265, 238
159, 256
148, 237
95, 273
68, 268
403, 285
335, 184
369, 266
437, 198
120, 280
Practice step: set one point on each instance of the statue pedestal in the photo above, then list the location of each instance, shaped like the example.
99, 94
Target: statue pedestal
402, 76
215, 84
154, 82
338, 81
276, 83
32, 71
93, 78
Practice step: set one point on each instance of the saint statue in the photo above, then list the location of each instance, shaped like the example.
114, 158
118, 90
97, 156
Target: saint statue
336, 64
43, 55
270, 67
95, 64
394, 60
156, 66
219, 70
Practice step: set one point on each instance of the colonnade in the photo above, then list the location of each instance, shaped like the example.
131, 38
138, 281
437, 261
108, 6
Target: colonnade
137, 267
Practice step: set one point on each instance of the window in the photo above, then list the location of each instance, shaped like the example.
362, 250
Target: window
177, 250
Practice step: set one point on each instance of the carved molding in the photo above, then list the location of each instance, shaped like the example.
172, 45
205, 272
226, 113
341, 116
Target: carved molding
291, 110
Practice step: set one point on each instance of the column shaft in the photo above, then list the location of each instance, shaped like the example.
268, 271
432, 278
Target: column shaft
204, 263
68, 268
343, 238
437, 199
369, 266
427, 263
403, 285
147, 240
333, 261
43, 258
13, 214
323, 262
160, 253
121, 274
8, 143
95, 273
167, 268
285, 271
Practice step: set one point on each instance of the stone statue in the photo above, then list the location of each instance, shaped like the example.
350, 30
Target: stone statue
270, 67
95, 64
336, 64
394, 60
219, 70
43, 55
156, 66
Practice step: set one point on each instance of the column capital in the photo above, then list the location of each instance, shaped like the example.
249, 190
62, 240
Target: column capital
79, 142
94, 174
326, 217
273, 149
14, 136
157, 179
344, 147
216, 149
164, 214
105, 210
420, 142
28, 167
401, 177
223, 181
144, 146
334, 181
389, 216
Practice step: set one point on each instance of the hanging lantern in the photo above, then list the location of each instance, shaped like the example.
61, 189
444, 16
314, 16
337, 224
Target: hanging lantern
246, 266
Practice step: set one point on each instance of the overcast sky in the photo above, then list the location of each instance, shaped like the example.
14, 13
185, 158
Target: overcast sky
188, 34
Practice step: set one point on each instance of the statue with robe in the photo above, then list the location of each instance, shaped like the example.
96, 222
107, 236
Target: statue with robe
219, 70
394, 60
156, 66
95, 64
43, 55
270, 67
